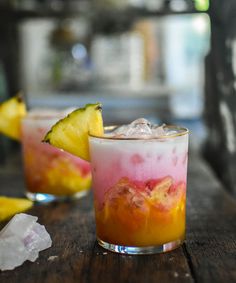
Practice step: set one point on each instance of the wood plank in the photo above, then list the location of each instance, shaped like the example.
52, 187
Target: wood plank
211, 226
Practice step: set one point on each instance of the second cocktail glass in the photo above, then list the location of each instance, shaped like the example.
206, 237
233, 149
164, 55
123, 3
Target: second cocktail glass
139, 189
50, 173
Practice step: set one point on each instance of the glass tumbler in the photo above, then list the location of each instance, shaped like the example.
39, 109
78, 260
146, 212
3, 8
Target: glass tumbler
50, 173
140, 191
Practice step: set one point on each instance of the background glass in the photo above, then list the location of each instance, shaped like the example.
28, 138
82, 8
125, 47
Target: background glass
50, 173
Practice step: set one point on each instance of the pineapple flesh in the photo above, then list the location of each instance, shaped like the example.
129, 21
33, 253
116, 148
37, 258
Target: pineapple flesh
12, 112
11, 206
71, 133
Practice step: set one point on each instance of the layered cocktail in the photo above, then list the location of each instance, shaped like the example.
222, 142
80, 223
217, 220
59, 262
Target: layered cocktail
139, 184
139, 174
50, 173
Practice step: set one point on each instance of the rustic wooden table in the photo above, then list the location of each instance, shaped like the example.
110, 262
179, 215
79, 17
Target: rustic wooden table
209, 254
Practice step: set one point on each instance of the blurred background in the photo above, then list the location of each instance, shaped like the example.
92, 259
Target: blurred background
137, 57
141, 58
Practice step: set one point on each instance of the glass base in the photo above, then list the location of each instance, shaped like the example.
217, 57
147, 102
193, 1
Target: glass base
141, 250
46, 198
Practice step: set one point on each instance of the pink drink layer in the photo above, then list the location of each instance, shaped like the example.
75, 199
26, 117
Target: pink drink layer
48, 169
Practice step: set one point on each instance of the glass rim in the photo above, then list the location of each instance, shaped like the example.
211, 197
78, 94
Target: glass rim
183, 131
42, 117
47, 114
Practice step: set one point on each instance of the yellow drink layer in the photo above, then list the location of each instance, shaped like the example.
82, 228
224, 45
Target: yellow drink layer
133, 218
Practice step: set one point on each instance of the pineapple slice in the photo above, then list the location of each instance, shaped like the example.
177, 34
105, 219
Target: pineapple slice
11, 206
71, 133
11, 113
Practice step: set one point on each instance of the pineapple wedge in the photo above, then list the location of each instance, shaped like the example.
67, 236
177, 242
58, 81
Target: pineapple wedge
71, 133
11, 113
11, 206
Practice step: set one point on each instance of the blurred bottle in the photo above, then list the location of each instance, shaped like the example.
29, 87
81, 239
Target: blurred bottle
69, 59
118, 59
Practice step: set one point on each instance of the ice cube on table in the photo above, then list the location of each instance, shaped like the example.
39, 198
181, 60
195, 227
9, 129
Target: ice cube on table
18, 225
22, 239
36, 240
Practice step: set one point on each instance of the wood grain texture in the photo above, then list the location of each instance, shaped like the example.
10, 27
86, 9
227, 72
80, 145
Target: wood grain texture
211, 226
209, 254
